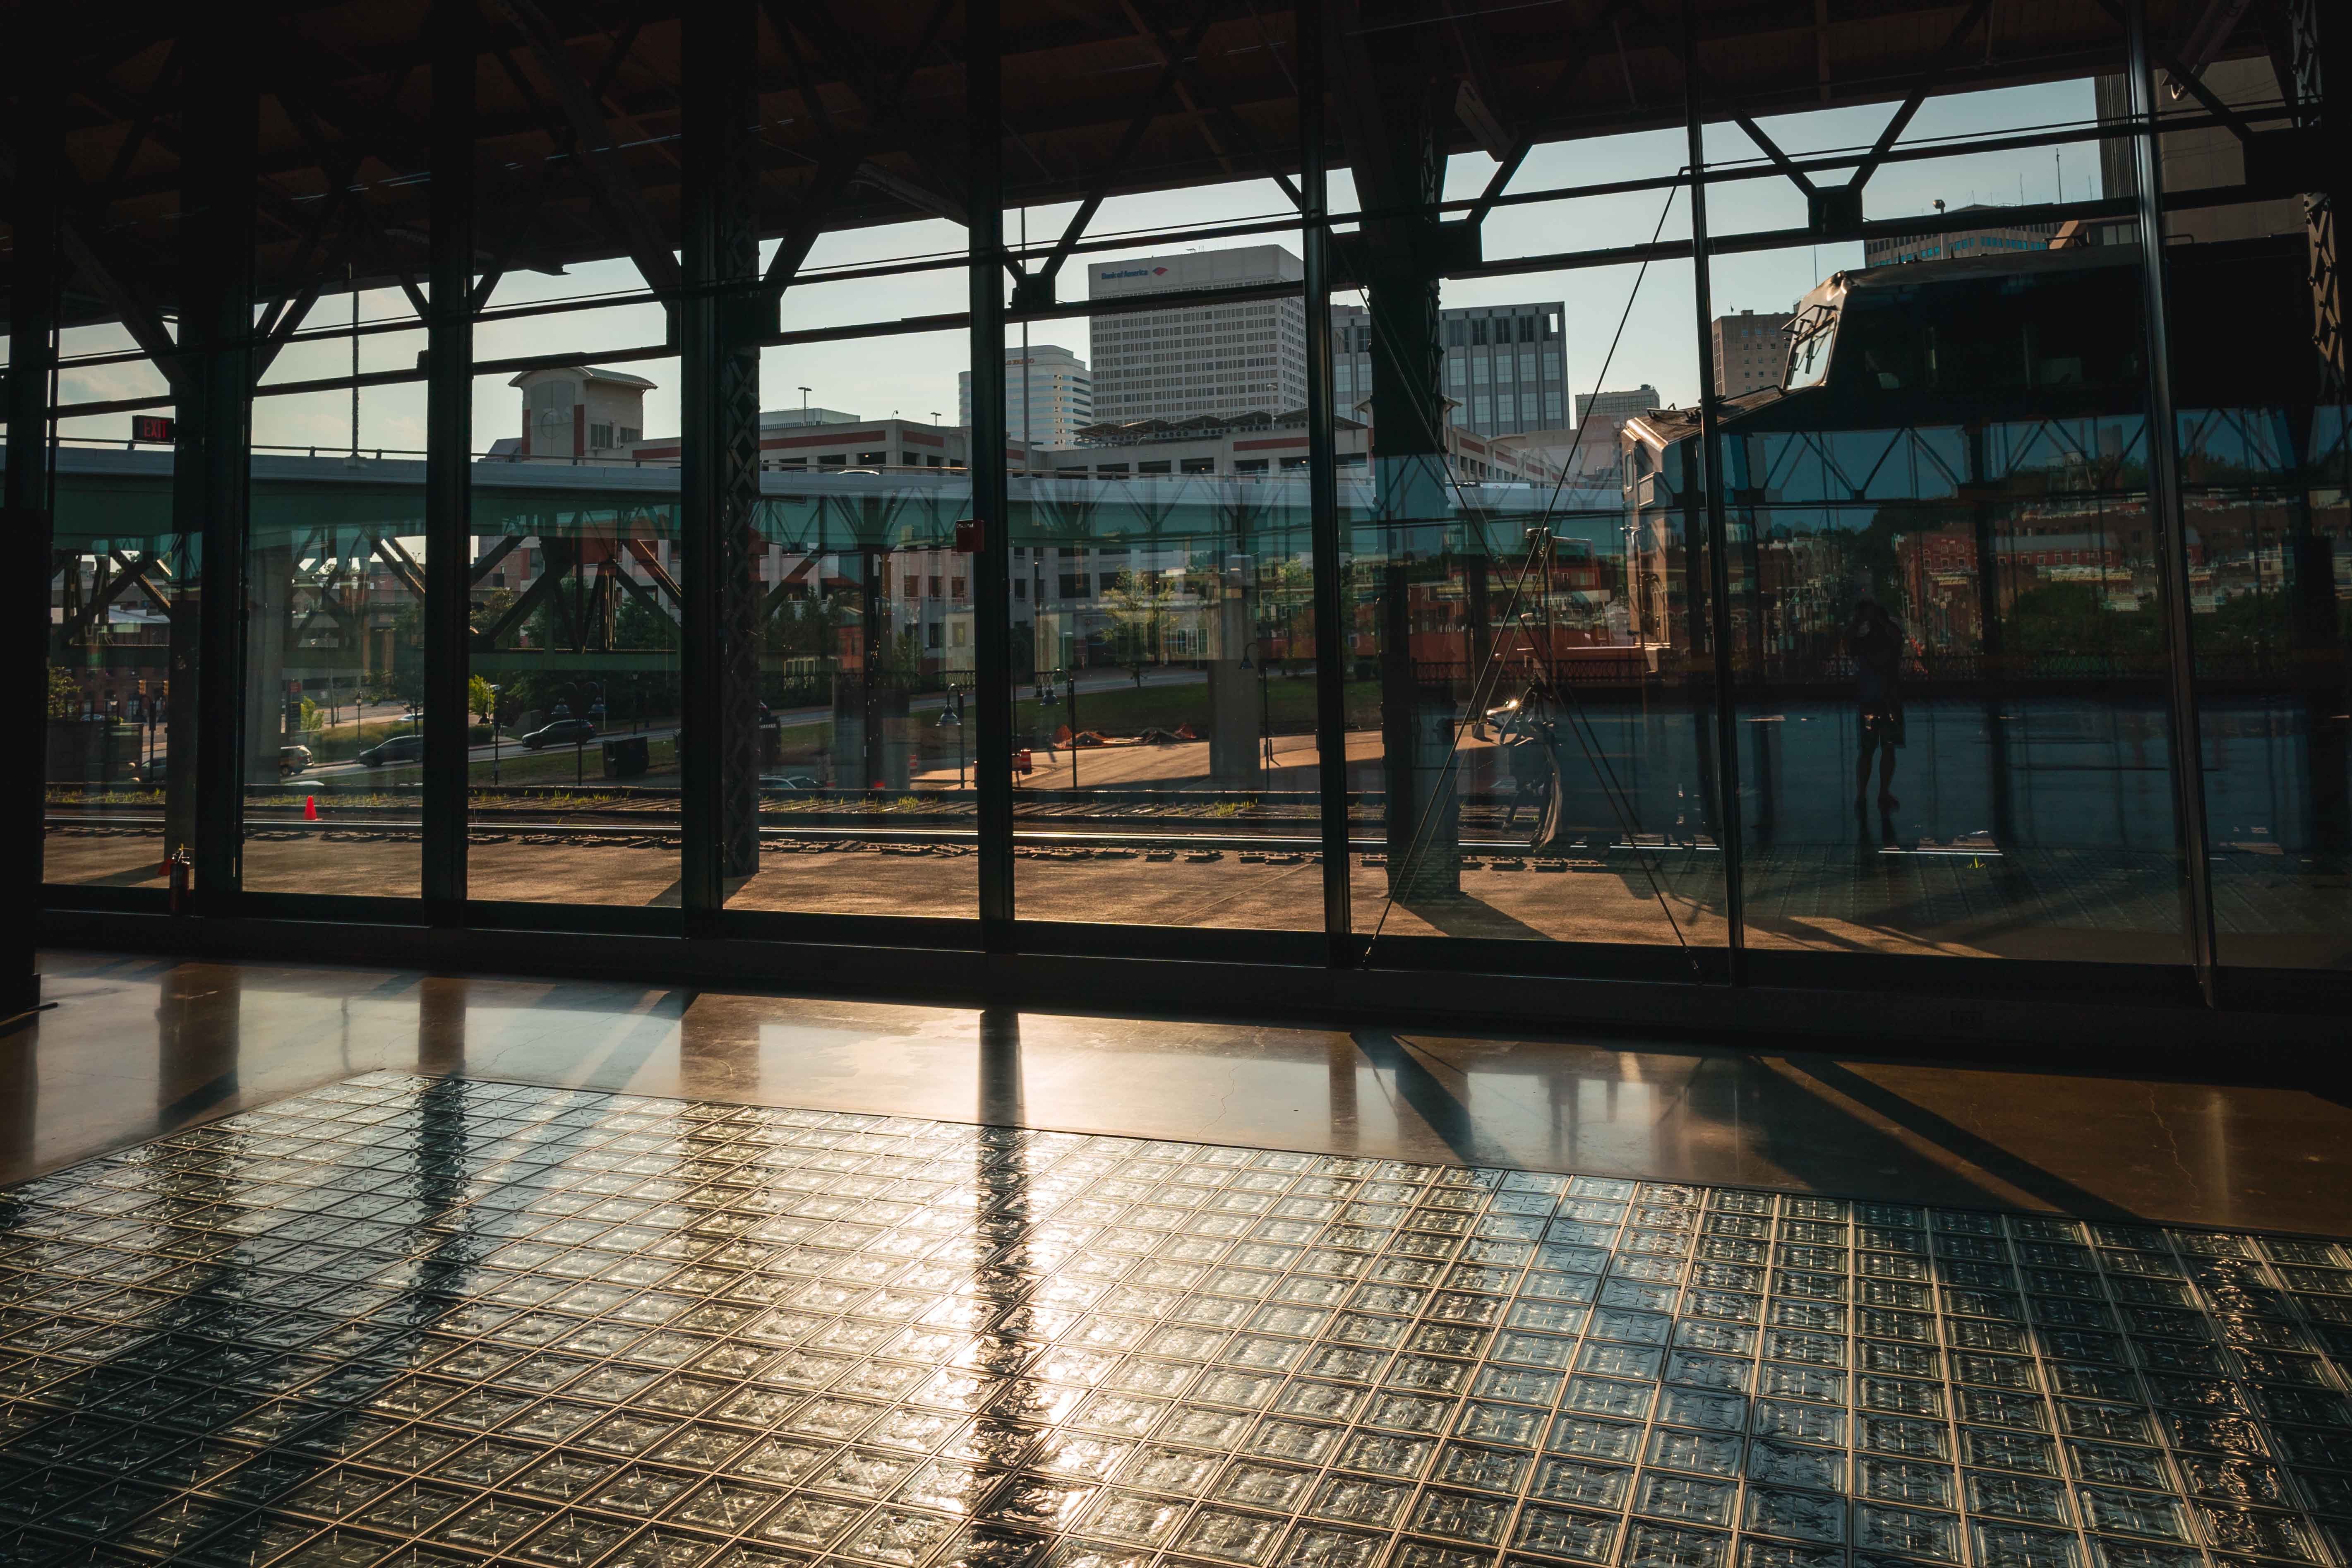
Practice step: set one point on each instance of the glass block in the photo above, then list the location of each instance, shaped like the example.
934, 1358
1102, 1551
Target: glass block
2114, 1464
1352, 1500
1906, 1533
2262, 1532
2109, 1509
1606, 1397
1136, 1519
726, 1504
1910, 1439
808, 1522
1703, 1453
1231, 1535
1398, 1411
1321, 1546
1652, 1545
1487, 1422
1397, 1456
1461, 1516
898, 1537
1181, 1472
1796, 1515
1690, 1499
1590, 1439
2032, 1500
1333, 1401
1568, 1533
492, 1524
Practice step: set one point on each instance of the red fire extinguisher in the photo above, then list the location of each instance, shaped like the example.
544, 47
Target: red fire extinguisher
183, 869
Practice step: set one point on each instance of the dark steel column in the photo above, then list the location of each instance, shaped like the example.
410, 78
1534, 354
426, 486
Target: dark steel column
991, 574
212, 471
1400, 168
448, 459
1718, 532
2322, 673
24, 500
1331, 599
2165, 510
720, 488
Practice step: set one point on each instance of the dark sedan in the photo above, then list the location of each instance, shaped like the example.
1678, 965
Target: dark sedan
397, 749
563, 732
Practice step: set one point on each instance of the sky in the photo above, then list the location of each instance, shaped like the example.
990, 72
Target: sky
914, 374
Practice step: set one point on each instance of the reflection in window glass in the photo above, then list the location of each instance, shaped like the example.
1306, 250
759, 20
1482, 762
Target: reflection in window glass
122, 604
335, 677
1949, 623
573, 689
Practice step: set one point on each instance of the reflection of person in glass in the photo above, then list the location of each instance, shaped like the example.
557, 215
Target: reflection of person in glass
1876, 644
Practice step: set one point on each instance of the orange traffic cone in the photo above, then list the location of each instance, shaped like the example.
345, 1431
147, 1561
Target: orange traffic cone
309, 808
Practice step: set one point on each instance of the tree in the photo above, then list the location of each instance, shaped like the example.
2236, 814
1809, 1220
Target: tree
480, 701
1138, 603
64, 694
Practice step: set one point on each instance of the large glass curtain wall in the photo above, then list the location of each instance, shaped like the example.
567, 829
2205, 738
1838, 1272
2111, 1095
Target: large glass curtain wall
1739, 539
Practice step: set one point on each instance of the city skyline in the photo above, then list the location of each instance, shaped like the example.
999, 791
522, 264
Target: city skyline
913, 376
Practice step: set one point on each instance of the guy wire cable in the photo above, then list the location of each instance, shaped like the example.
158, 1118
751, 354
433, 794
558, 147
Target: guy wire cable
1544, 517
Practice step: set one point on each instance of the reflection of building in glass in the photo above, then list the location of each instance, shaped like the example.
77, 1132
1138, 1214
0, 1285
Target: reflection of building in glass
1257, 445
1503, 372
2200, 157
1618, 406
1750, 351
1048, 395
1992, 239
788, 442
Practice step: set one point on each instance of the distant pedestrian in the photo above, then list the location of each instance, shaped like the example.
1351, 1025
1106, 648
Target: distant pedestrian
1875, 643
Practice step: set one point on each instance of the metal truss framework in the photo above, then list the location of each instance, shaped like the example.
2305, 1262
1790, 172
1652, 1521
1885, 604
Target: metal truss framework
555, 134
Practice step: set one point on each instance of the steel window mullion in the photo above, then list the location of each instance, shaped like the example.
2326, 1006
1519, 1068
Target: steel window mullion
24, 504
211, 469
1323, 491
990, 494
2165, 503
1718, 544
448, 461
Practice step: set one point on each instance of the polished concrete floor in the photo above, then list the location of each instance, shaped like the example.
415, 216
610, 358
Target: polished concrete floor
137, 1046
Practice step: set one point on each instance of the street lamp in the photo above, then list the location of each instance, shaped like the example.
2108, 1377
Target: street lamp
951, 716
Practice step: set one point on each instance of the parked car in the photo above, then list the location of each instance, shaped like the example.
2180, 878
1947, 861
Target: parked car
787, 780
393, 750
292, 760
561, 733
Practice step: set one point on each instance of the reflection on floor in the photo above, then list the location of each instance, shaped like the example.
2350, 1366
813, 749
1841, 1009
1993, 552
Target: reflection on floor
138, 1046
442, 1320
1873, 895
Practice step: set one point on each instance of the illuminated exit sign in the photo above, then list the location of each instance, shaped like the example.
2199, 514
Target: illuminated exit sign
153, 428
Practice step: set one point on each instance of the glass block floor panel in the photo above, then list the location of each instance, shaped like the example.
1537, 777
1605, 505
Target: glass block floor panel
448, 1322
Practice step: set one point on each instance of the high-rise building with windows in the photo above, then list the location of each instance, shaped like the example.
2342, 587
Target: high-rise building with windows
1618, 406
1048, 396
1503, 372
1213, 359
1751, 348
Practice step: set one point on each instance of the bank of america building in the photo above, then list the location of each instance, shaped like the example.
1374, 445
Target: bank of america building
1220, 360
